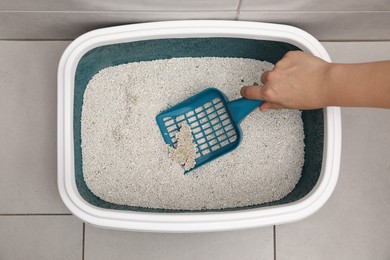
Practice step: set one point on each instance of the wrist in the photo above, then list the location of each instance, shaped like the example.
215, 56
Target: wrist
332, 81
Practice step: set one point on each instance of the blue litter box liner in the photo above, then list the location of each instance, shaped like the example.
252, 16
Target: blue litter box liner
272, 51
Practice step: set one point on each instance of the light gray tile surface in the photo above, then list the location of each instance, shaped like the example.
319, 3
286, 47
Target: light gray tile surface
117, 5
340, 26
28, 108
246, 244
40, 238
69, 25
349, 52
354, 224
315, 5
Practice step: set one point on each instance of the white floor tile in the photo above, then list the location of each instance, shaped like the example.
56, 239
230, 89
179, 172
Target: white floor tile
40, 237
69, 25
118, 5
354, 224
349, 52
316, 5
28, 129
247, 244
340, 26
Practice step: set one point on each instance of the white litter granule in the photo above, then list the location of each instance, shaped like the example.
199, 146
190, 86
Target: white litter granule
125, 160
185, 151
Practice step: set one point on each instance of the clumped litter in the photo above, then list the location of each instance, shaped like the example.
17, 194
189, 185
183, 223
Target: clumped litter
125, 159
185, 151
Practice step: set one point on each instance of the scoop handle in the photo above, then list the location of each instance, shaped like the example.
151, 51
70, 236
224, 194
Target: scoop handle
242, 107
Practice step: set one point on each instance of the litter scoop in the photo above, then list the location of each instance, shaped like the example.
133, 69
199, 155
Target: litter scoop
214, 122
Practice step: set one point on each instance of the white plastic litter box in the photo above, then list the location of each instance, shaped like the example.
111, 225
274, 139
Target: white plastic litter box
102, 48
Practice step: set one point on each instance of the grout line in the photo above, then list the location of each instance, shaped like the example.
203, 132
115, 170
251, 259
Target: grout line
238, 9
196, 11
319, 11
36, 214
274, 232
83, 245
119, 11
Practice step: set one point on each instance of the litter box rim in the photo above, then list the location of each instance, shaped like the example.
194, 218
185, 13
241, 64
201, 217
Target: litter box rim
188, 222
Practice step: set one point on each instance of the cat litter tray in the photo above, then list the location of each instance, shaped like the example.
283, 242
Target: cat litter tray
103, 48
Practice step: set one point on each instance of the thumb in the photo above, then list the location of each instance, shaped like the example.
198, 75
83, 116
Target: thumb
252, 92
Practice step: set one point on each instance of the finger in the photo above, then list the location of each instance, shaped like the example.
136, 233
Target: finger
264, 77
252, 92
269, 105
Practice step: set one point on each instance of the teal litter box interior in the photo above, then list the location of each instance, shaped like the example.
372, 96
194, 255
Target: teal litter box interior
116, 54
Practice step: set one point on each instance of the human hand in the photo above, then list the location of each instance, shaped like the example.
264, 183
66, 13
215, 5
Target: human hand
299, 81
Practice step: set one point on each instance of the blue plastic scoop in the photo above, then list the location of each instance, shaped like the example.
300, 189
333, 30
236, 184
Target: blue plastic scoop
214, 121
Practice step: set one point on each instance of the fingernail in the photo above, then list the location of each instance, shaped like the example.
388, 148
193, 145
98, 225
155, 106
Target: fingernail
264, 109
243, 90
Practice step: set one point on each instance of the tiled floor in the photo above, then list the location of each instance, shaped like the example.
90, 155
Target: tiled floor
34, 223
